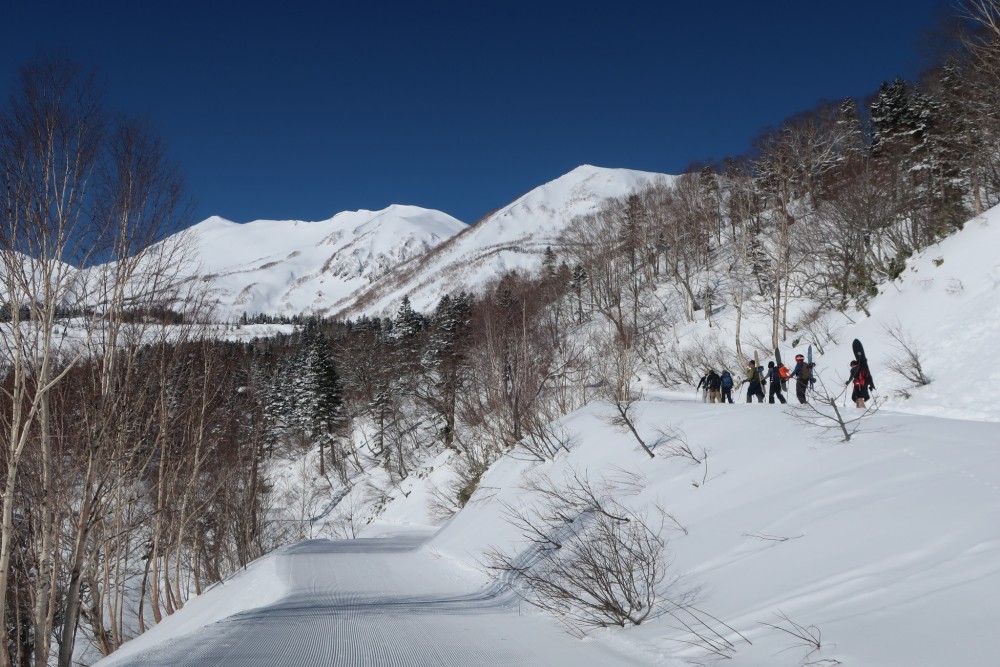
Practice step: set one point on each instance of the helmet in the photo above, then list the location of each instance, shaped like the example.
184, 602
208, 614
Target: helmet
799, 357
854, 362
750, 362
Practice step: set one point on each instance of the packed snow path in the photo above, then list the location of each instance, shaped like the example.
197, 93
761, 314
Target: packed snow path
377, 602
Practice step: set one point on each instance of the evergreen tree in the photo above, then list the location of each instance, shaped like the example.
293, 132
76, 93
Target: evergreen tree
893, 120
407, 338
849, 131
549, 264
447, 348
322, 399
305, 401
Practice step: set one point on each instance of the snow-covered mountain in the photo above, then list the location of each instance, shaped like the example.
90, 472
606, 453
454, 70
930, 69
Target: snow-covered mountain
366, 261
291, 266
514, 237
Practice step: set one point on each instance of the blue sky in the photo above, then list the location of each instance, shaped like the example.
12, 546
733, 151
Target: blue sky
300, 110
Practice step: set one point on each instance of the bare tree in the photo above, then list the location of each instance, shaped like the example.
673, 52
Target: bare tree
794, 161
823, 412
685, 215
620, 367
86, 197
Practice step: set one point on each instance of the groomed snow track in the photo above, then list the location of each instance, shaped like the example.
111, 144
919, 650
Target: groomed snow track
384, 602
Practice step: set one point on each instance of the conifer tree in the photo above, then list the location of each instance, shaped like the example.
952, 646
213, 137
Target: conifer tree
407, 332
322, 399
447, 352
549, 263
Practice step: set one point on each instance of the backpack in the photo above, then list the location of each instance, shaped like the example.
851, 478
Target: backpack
783, 372
727, 380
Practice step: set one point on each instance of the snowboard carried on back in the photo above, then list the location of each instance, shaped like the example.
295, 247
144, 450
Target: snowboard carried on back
862, 359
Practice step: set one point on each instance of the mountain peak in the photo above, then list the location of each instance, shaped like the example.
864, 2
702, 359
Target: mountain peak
293, 266
512, 238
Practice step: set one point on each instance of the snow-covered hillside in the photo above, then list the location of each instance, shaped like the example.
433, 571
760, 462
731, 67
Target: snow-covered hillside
290, 266
794, 547
513, 237
366, 261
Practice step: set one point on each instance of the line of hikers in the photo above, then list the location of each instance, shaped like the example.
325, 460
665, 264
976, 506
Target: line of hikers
718, 388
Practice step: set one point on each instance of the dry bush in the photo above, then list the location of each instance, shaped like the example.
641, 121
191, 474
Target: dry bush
823, 412
807, 637
907, 363
816, 323
543, 438
673, 443
475, 459
592, 561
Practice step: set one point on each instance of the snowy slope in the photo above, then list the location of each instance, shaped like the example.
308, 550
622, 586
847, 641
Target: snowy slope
888, 546
886, 549
290, 266
513, 237
947, 303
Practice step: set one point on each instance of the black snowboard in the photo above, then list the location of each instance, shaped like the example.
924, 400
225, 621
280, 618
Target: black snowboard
859, 354
778, 364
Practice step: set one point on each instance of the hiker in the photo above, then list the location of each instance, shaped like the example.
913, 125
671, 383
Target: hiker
803, 377
714, 384
775, 377
862, 380
727, 387
756, 381
703, 386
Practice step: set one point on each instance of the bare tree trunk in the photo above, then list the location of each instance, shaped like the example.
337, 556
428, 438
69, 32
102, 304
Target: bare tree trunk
71, 613
46, 552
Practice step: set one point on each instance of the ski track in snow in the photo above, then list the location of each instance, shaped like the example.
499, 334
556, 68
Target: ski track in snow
383, 602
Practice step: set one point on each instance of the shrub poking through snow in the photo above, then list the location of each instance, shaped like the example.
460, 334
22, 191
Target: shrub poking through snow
590, 559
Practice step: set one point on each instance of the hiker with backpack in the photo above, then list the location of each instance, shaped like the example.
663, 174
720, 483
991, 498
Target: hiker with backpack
774, 375
862, 380
803, 374
714, 384
756, 380
727, 387
703, 386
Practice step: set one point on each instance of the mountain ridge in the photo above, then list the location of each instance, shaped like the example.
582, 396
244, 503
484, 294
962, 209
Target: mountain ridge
514, 237
295, 267
364, 262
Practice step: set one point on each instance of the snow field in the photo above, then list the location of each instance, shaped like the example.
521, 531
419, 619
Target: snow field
886, 549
